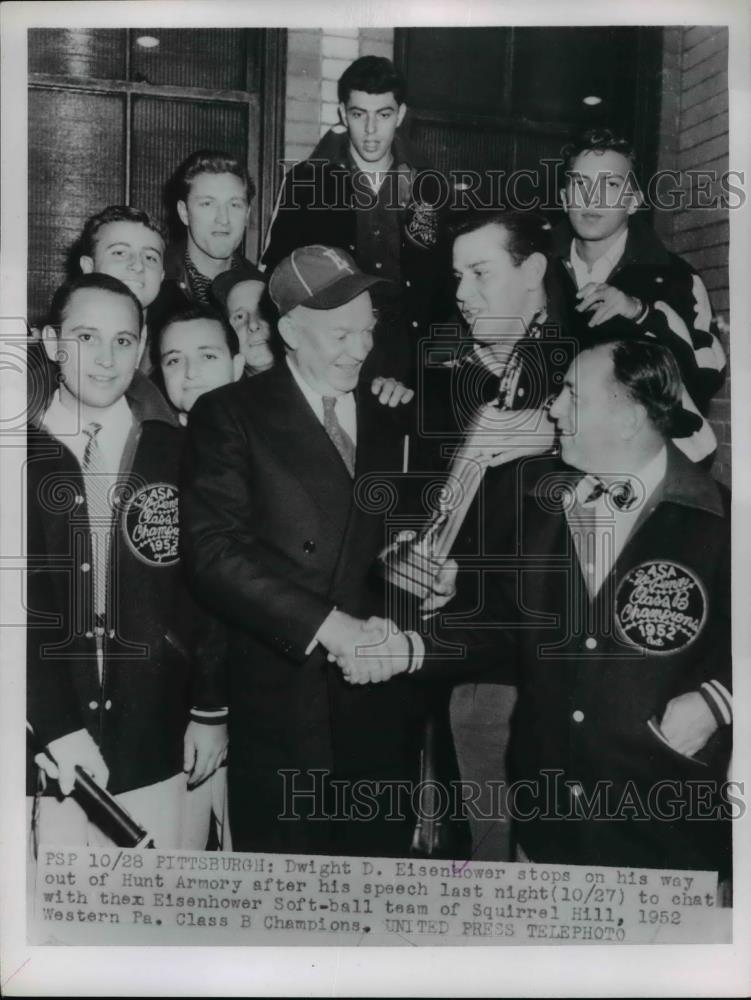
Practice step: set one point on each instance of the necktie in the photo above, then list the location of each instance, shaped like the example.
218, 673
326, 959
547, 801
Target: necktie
621, 492
339, 437
96, 483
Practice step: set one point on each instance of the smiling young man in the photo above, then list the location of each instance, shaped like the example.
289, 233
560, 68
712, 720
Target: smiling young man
610, 264
367, 191
212, 192
110, 639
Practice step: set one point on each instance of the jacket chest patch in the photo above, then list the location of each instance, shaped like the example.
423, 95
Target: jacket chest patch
151, 524
661, 607
422, 226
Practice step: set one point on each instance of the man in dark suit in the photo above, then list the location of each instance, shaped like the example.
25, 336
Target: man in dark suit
282, 518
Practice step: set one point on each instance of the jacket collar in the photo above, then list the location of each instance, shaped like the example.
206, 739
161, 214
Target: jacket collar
685, 483
643, 246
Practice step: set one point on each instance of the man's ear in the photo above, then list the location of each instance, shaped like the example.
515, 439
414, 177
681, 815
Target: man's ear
400, 114
633, 419
635, 200
534, 269
238, 367
50, 341
182, 211
86, 264
289, 333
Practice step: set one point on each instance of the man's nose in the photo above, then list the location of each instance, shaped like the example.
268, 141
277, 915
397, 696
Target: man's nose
105, 355
136, 262
191, 369
254, 323
360, 346
462, 290
222, 212
370, 124
555, 408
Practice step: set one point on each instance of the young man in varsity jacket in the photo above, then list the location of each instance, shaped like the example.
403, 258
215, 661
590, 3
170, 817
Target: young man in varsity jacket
368, 191
116, 680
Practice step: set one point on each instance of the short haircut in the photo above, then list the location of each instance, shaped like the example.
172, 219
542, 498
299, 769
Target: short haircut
598, 140
97, 280
373, 75
649, 372
187, 315
113, 213
209, 161
526, 232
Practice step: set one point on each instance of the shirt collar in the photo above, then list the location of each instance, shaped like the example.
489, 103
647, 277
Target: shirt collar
643, 482
313, 397
61, 421
603, 266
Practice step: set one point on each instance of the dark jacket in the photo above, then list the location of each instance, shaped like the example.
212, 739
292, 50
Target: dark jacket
275, 534
679, 314
153, 670
316, 205
589, 681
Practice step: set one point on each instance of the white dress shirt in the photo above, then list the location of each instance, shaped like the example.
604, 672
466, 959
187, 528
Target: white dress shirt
67, 426
613, 526
346, 411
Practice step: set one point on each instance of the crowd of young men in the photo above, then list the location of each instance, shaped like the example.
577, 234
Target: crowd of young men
217, 466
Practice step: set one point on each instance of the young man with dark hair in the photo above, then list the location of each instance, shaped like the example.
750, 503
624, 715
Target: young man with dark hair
608, 263
125, 243
369, 192
196, 351
211, 193
113, 666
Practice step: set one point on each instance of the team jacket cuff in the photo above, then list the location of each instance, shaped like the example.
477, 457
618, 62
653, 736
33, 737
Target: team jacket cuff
210, 717
719, 700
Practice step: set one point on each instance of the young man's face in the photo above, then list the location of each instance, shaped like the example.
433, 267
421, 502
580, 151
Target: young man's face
251, 328
215, 213
492, 291
98, 347
599, 196
131, 252
194, 357
372, 120
331, 345
589, 412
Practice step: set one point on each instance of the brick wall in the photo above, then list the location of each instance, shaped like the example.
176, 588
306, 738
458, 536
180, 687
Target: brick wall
694, 137
316, 58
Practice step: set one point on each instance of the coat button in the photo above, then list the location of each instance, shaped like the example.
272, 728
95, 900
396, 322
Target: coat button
379, 265
85, 567
576, 790
578, 716
408, 284
520, 392
415, 323
108, 704
309, 547
591, 643
111, 634
78, 499
89, 635
93, 705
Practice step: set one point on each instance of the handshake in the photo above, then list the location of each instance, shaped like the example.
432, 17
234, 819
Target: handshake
368, 652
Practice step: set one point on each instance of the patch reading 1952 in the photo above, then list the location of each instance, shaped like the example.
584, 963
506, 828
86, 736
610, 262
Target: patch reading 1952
661, 607
150, 523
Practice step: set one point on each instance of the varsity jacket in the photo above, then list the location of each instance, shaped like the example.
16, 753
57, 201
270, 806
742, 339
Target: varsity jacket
158, 658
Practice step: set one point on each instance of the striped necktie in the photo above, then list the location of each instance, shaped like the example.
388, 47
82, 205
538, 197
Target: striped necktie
339, 437
97, 483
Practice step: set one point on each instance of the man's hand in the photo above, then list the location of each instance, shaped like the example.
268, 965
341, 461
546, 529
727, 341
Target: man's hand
384, 653
390, 392
204, 749
607, 302
73, 750
688, 723
500, 436
443, 587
